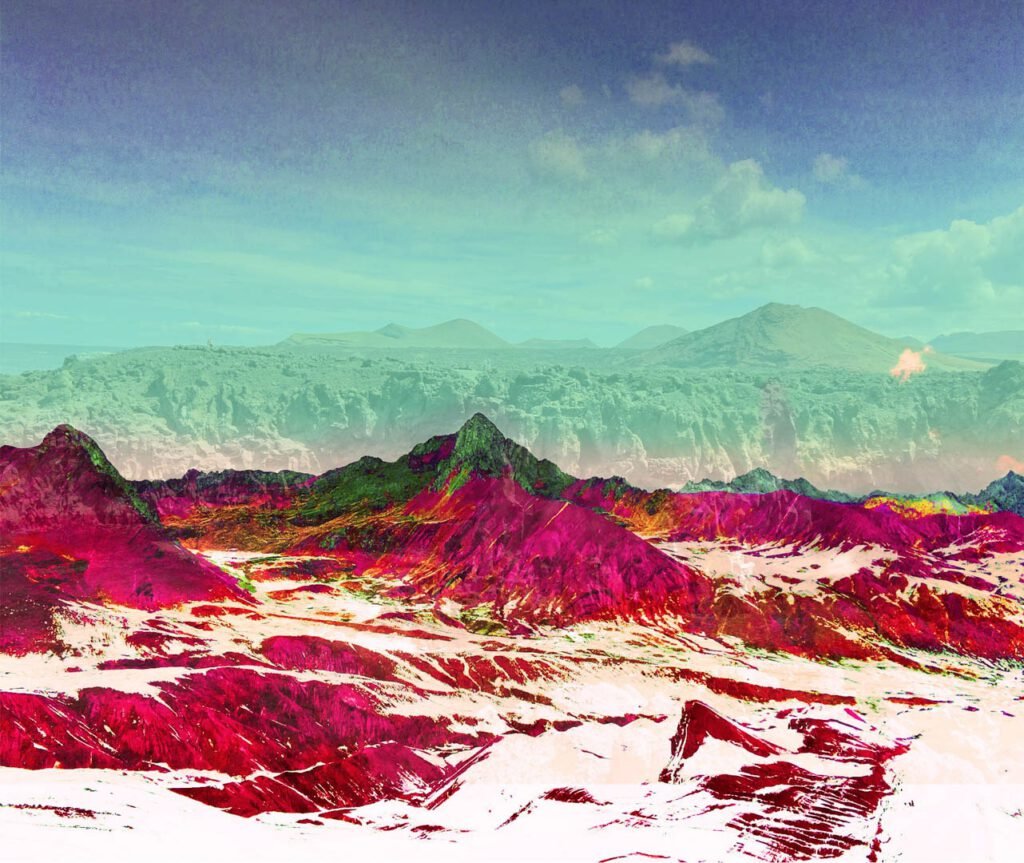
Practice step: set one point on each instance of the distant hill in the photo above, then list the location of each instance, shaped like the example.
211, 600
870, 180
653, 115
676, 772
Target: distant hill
458, 333
557, 345
652, 337
1004, 494
779, 336
761, 481
1000, 345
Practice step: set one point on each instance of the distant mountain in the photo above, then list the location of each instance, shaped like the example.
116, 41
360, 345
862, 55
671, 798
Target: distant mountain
761, 481
652, 337
1005, 494
1000, 345
458, 333
778, 336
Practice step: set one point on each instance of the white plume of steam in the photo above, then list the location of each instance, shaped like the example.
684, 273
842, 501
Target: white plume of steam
910, 363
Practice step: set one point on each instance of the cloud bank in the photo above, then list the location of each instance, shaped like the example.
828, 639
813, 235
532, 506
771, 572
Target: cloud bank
742, 199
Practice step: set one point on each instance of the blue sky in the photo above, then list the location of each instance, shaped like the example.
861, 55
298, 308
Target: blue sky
238, 171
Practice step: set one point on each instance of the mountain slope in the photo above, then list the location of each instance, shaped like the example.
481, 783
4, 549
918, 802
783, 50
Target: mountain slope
72, 529
197, 489
778, 336
652, 337
908, 588
476, 518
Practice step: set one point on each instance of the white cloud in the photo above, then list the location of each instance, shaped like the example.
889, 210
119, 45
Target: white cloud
559, 156
787, 253
644, 283
966, 264
684, 54
829, 168
654, 91
572, 95
835, 170
742, 199
678, 142
600, 237
44, 315
674, 227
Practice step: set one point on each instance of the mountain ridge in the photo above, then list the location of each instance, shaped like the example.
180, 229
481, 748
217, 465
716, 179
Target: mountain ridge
776, 336
457, 333
474, 518
989, 346
652, 337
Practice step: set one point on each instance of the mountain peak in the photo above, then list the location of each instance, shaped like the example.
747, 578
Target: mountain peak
393, 331
70, 444
1005, 493
778, 307
479, 424
790, 312
68, 435
480, 449
779, 336
480, 446
442, 463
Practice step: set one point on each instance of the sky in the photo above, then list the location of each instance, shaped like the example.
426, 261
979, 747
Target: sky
238, 171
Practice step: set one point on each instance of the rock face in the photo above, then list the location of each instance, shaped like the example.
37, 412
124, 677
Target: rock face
699, 723
71, 528
160, 412
795, 391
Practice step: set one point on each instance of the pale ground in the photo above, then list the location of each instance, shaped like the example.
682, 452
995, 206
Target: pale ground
958, 793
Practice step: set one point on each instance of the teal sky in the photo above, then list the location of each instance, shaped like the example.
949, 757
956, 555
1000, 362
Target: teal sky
238, 171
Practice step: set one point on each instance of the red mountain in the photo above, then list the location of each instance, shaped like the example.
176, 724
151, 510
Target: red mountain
475, 518
71, 528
